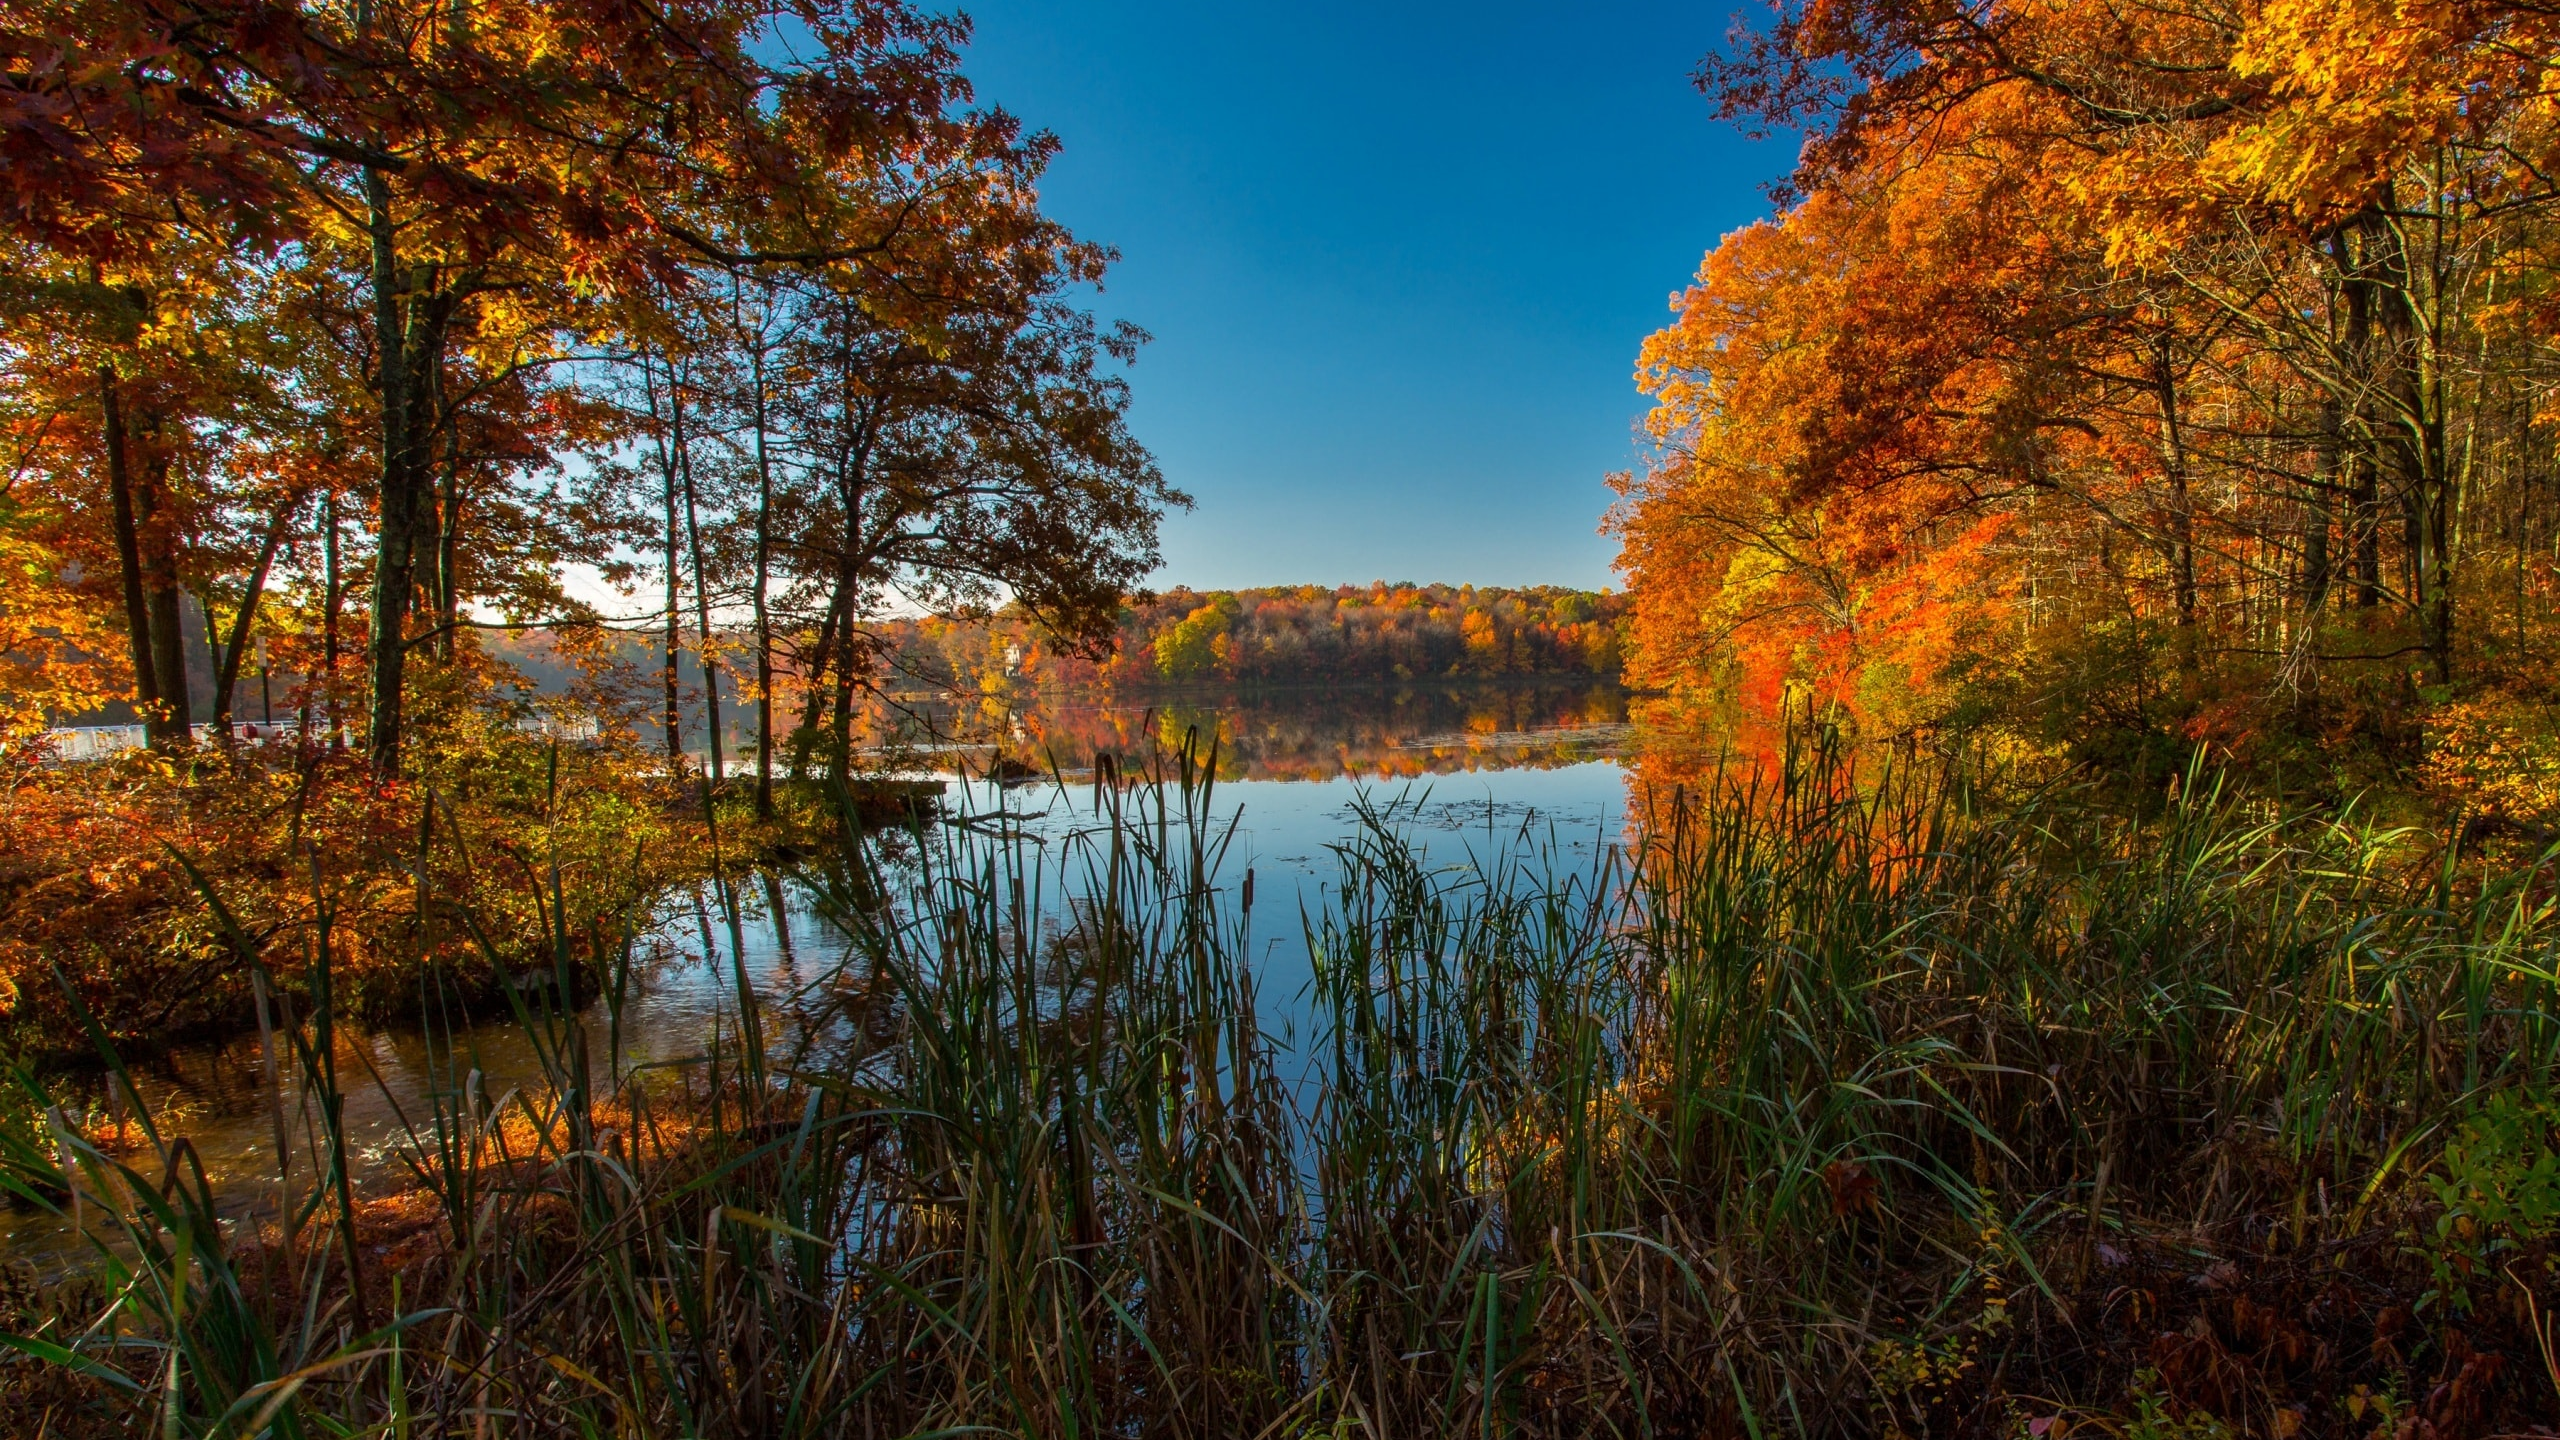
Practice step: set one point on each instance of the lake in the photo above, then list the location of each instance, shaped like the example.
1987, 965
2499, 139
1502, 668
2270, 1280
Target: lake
1461, 772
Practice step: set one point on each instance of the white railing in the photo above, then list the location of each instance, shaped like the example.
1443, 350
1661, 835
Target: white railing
94, 742
575, 727
100, 742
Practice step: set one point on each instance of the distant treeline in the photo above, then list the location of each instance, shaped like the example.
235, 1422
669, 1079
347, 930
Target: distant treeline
1289, 635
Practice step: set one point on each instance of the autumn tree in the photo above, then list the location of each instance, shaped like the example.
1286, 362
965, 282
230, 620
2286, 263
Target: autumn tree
1284, 637
165, 453
492, 196
989, 463
2208, 340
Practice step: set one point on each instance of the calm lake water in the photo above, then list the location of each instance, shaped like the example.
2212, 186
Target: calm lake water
1461, 772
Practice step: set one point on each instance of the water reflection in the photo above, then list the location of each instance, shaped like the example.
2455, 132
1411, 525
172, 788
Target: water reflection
1383, 732
1461, 769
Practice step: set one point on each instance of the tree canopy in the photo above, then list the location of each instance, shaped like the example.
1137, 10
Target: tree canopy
376, 319
2167, 374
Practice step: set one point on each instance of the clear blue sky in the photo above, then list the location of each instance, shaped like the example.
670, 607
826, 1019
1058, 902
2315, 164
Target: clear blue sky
1397, 260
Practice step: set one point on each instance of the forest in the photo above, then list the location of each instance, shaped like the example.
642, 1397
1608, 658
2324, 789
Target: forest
340, 345
2125, 385
2072, 949
489, 298
1291, 636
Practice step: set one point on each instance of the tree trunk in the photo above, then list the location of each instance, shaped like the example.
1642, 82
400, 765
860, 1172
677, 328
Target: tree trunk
396, 549
137, 615
701, 582
830, 629
843, 732
2347, 249
227, 657
331, 591
852, 488
156, 532
2416, 448
2182, 521
675, 599
764, 572
2316, 518
2435, 572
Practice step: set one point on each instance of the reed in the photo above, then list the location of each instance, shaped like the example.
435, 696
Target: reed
1827, 1104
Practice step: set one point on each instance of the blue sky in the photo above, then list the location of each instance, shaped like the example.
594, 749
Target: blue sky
1397, 261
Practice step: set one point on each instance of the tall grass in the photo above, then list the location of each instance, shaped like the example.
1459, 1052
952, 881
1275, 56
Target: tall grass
1828, 1104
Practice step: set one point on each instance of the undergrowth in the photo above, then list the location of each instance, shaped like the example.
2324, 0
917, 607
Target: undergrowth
1829, 1104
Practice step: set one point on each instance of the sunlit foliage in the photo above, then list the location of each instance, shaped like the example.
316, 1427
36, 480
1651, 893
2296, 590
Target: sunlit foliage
1287, 635
361, 329
2132, 379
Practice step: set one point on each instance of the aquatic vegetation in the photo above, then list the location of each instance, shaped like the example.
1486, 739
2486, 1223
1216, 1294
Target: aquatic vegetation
1829, 1104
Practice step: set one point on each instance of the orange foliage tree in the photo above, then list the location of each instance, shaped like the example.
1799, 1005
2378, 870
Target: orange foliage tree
1285, 635
329, 337
2143, 378
478, 197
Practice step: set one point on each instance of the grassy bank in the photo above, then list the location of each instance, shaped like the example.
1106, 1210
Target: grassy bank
1832, 1105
